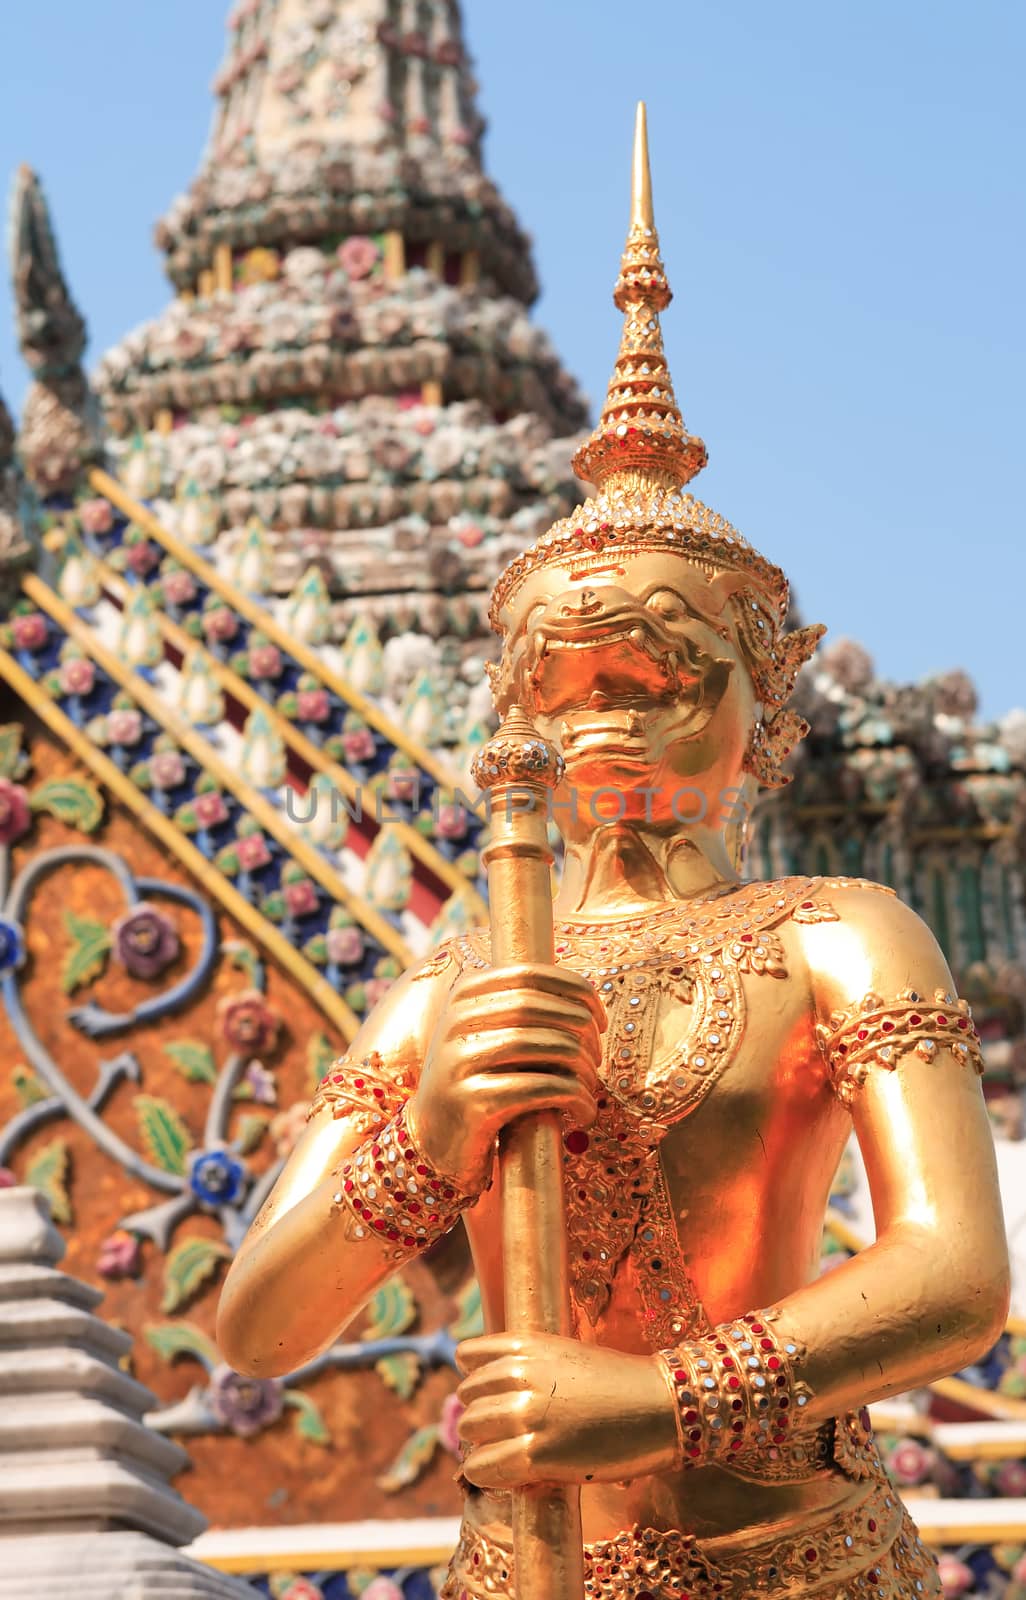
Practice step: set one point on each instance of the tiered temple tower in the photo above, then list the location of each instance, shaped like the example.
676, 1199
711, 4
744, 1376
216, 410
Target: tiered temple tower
349, 359
243, 680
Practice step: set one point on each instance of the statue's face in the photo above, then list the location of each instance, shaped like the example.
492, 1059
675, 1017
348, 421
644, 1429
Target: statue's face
633, 669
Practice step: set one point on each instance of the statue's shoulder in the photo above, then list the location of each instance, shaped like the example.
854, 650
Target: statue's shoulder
824, 899
440, 965
864, 907
798, 899
467, 951
859, 902
869, 940
867, 910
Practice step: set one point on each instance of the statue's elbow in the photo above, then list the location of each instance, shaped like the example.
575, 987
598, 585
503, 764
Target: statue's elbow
242, 1336
998, 1307
986, 1305
230, 1335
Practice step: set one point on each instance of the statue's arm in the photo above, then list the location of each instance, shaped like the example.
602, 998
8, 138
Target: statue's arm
928, 1297
300, 1276
372, 1182
931, 1294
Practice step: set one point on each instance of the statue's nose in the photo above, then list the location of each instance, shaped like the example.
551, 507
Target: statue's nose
584, 605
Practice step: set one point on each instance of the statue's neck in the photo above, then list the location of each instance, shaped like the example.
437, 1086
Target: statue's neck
623, 868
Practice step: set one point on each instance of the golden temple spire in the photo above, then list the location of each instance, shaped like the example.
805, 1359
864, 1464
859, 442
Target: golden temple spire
641, 174
641, 433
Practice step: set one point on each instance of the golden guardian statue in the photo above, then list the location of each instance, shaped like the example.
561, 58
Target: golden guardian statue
685, 1057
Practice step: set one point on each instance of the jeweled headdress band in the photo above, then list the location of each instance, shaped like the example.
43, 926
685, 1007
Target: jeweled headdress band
640, 457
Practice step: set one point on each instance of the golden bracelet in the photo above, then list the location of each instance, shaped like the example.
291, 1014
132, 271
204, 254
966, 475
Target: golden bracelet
736, 1390
388, 1189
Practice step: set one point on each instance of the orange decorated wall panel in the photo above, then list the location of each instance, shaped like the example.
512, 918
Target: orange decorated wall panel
154, 1069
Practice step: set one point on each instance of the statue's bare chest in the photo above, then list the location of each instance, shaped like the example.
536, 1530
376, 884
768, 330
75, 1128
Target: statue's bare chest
677, 987
680, 988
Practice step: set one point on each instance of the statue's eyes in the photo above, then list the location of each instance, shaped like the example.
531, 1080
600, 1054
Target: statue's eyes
668, 604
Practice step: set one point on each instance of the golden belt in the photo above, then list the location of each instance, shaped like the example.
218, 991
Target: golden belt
867, 1552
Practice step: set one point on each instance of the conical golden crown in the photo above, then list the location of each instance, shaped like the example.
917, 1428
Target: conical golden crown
641, 456
641, 427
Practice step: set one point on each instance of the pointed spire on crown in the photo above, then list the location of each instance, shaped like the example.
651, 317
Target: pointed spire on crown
641, 432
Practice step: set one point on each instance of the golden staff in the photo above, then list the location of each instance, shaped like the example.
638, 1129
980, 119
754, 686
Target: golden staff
519, 770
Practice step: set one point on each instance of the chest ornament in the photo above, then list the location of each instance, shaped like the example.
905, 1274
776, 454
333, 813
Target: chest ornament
671, 983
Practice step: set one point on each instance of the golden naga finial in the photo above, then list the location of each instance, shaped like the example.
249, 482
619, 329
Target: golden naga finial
641, 432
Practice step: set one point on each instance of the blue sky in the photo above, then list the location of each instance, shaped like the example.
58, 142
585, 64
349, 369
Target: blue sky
839, 190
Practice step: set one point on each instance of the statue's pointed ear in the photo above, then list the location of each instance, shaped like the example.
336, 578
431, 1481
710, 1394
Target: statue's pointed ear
774, 660
795, 649
500, 683
770, 743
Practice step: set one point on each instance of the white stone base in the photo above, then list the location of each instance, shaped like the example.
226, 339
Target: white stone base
108, 1566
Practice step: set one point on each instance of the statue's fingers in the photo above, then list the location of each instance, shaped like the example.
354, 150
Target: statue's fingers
510, 1008
529, 1041
493, 1419
495, 1377
537, 978
474, 1353
497, 1466
516, 1094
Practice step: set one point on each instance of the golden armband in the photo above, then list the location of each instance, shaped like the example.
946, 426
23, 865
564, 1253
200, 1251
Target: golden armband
879, 1033
736, 1392
366, 1091
387, 1189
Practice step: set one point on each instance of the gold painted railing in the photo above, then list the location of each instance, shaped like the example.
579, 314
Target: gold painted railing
311, 754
